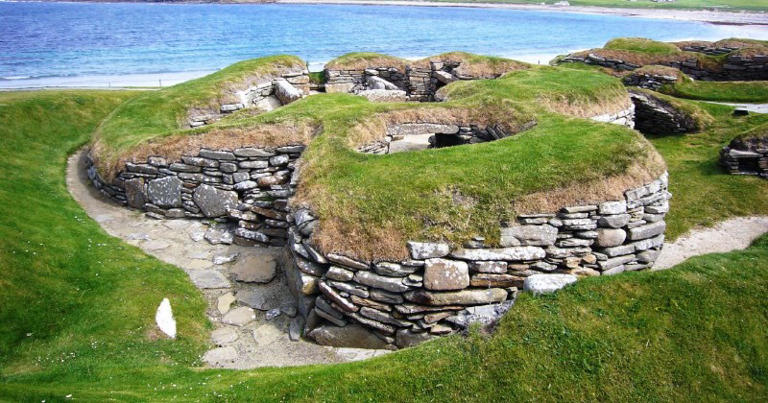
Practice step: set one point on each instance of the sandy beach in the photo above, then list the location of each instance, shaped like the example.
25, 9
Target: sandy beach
714, 17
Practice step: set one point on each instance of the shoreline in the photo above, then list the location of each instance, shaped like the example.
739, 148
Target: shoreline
735, 17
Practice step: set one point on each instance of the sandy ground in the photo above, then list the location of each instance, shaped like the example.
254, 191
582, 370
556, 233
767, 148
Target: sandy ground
717, 17
259, 342
726, 236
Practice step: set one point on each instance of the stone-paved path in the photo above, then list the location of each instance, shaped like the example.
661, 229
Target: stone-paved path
243, 336
732, 234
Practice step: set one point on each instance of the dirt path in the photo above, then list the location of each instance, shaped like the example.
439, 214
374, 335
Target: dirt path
249, 339
726, 236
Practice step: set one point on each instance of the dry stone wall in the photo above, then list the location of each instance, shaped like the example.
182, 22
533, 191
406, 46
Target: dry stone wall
441, 290
746, 157
416, 83
267, 95
249, 186
735, 67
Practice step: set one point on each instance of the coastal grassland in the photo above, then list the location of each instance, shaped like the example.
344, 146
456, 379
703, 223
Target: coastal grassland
702, 193
73, 297
722, 91
753, 5
477, 66
642, 45
690, 333
157, 112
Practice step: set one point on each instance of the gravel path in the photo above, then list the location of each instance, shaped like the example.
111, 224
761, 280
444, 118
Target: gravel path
726, 236
756, 108
249, 339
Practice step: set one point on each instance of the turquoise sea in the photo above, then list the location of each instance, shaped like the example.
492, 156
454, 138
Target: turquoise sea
101, 44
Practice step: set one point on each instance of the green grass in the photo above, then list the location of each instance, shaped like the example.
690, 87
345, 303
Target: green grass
165, 110
362, 60
642, 45
723, 91
697, 332
702, 193
69, 290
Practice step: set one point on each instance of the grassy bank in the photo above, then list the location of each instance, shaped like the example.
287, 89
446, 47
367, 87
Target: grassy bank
721, 91
74, 298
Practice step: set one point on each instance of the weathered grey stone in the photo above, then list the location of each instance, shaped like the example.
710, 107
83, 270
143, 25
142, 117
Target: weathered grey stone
134, 192
253, 164
648, 256
393, 269
286, 92
548, 283
579, 209
384, 95
220, 356
608, 237
528, 235
296, 328
392, 284
647, 231
310, 267
496, 280
218, 236
406, 129
208, 279
378, 83
214, 202
385, 296
224, 335
255, 269
217, 155
381, 327
427, 250
406, 338
444, 274
337, 299
489, 267
614, 221
224, 302
613, 207
239, 316
279, 160
463, 297
347, 262
337, 273
352, 335
165, 192
579, 224
267, 104
339, 87
512, 253
485, 315
253, 152
619, 250
615, 261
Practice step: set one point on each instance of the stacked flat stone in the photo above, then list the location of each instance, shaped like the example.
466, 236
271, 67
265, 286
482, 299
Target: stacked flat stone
649, 80
353, 81
419, 84
656, 116
250, 185
442, 135
266, 95
735, 68
746, 158
441, 290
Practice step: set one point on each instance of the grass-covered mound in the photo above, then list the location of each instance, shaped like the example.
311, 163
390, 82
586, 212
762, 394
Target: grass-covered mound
476, 66
642, 52
370, 205
696, 332
364, 60
159, 112
723, 91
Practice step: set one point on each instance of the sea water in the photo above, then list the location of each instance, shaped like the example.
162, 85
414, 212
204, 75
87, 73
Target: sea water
119, 44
